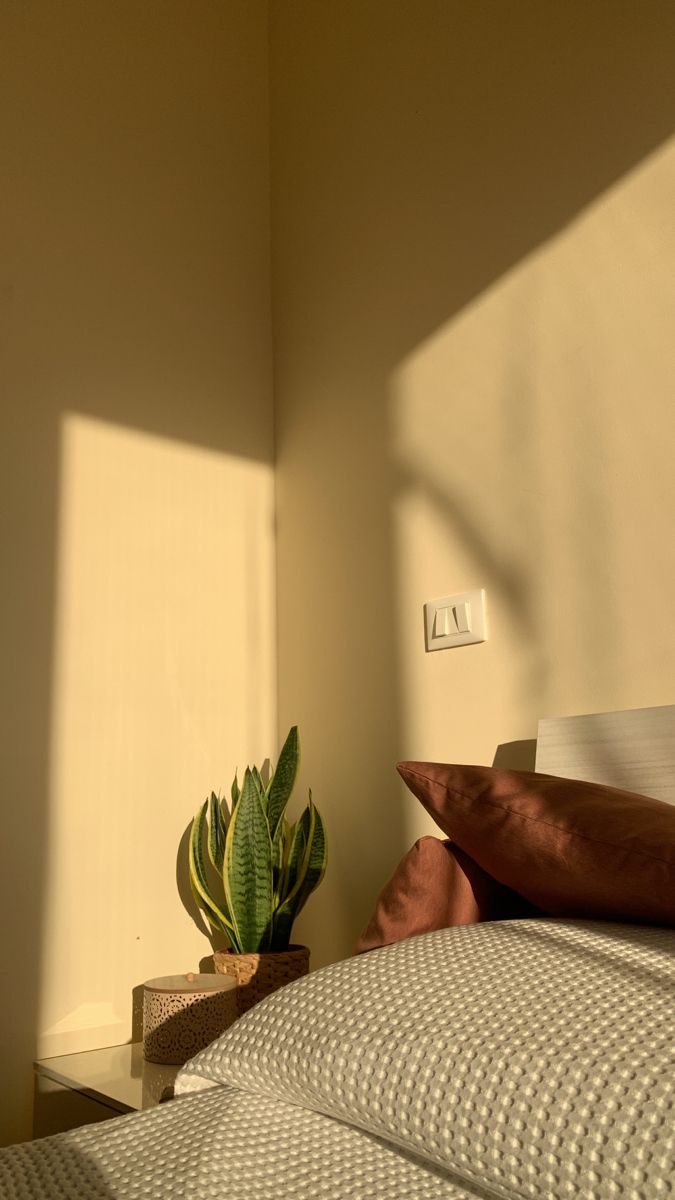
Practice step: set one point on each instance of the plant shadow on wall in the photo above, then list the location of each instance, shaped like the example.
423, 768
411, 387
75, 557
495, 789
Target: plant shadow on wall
521, 455
469, 237
479, 491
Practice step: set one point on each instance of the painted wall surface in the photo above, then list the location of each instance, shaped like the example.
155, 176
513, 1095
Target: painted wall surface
473, 235
473, 239
137, 495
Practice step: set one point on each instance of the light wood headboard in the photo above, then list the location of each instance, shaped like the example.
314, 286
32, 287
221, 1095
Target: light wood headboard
634, 749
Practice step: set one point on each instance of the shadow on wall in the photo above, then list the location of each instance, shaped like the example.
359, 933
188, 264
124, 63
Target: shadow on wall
217, 940
549, 486
135, 292
422, 158
516, 756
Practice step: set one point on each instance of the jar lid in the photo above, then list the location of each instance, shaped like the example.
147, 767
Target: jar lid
191, 983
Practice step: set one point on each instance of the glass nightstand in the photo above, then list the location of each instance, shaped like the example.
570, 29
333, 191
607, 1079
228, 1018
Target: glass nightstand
95, 1085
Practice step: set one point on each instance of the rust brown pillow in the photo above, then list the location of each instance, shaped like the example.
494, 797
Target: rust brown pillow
434, 886
571, 848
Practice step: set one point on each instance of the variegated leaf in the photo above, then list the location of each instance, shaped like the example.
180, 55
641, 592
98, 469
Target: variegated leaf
280, 848
257, 779
247, 870
283, 780
198, 881
316, 859
297, 842
217, 832
307, 865
235, 792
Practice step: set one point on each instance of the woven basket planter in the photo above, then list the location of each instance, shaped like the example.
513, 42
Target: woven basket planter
258, 975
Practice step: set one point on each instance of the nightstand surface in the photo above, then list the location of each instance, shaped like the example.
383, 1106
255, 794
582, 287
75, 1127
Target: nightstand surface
117, 1076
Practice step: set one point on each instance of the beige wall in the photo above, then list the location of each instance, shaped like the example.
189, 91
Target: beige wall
138, 595
473, 293
473, 366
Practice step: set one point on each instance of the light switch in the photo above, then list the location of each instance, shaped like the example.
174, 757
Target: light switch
442, 623
461, 615
455, 620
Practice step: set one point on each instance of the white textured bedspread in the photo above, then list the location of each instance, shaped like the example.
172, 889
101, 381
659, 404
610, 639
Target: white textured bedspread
222, 1144
524, 1059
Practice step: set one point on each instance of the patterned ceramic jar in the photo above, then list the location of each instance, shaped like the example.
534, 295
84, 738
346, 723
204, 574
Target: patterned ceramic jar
184, 1013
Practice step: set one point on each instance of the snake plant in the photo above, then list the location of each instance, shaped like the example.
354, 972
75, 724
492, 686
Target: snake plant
251, 871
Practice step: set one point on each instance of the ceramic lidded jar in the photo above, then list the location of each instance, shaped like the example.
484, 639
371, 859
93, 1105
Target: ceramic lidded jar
184, 1013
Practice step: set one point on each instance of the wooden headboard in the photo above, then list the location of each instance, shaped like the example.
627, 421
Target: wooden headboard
633, 749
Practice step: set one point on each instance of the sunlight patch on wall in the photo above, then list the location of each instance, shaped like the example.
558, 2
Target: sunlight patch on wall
534, 445
163, 684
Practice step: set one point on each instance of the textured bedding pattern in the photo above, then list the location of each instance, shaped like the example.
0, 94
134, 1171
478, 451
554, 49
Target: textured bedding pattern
220, 1144
523, 1060
532, 1058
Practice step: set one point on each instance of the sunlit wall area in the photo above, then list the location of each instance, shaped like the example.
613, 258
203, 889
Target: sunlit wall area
136, 436
163, 684
472, 216
534, 440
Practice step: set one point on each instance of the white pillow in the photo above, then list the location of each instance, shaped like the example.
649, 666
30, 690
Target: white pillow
533, 1057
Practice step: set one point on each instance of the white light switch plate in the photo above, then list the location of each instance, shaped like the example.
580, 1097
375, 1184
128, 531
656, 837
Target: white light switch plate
446, 620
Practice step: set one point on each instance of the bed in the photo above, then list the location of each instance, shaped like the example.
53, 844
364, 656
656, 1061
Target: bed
529, 1057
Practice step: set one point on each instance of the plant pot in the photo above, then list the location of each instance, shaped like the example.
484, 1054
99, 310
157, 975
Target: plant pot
258, 975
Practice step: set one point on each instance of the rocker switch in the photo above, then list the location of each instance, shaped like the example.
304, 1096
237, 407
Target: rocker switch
442, 623
455, 620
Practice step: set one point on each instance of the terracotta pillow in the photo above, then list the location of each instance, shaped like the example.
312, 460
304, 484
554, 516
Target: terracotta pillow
570, 848
436, 885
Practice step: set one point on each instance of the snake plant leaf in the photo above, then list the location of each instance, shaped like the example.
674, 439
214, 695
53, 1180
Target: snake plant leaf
280, 848
283, 780
213, 920
297, 839
217, 832
316, 859
250, 871
198, 881
307, 866
281, 844
234, 792
247, 870
257, 779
